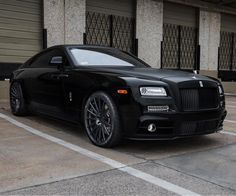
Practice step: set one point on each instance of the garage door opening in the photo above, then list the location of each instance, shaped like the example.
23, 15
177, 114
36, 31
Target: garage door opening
227, 49
179, 48
111, 23
20, 33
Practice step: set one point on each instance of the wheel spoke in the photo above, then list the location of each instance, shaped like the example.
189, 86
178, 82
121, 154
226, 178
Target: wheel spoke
100, 105
14, 89
91, 112
93, 124
107, 124
95, 131
100, 135
106, 130
96, 111
14, 92
95, 103
103, 134
15, 97
103, 107
91, 118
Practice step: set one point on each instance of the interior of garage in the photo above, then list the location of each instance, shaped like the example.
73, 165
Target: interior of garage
227, 49
111, 23
21, 30
180, 37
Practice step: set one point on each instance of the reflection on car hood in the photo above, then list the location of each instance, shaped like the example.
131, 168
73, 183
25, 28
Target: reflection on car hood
150, 73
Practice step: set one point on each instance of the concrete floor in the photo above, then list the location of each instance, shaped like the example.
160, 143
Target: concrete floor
30, 164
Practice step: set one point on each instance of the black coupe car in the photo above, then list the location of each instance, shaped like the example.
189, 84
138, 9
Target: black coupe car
116, 95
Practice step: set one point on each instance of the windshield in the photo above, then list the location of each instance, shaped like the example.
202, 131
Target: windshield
104, 57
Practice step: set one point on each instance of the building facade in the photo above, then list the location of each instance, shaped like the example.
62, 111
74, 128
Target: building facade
168, 34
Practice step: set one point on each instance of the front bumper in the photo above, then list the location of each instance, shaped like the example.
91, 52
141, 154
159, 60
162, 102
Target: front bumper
193, 110
174, 125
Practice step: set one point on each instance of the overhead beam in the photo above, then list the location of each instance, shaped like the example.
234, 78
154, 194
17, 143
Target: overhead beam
206, 5
225, 2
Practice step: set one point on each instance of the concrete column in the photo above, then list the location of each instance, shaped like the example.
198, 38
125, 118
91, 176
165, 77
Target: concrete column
54, 21
209, 39
74, 21
64, 21
149, 31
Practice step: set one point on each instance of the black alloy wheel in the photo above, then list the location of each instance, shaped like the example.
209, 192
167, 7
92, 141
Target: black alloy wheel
101, 120
17, 101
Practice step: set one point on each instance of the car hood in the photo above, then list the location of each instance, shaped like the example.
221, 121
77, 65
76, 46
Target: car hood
152, 74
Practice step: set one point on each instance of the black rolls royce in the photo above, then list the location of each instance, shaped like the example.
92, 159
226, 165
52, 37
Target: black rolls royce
116, 95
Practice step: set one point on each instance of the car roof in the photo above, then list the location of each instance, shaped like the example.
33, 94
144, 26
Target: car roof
81, 46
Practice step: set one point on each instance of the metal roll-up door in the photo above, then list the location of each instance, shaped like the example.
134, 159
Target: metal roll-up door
179, 15
180, 37
228, 23
111, 23
20, 32
227, 49
114, 7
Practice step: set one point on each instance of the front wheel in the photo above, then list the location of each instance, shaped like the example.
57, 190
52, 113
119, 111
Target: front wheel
101, 120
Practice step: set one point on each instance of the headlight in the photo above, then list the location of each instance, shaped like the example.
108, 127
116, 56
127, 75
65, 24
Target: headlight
220, 89
153, 91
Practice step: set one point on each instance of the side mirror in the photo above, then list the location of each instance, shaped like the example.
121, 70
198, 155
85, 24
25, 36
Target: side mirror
56, 60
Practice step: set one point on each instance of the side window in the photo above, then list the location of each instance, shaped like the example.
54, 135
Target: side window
41, 60
44, 59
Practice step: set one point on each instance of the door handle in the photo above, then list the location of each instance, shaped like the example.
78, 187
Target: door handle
59, 76
54, 76
63, 76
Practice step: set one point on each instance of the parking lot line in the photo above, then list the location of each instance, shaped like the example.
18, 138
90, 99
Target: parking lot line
115, 164
231, 106
234, 102
228, 133
230, 121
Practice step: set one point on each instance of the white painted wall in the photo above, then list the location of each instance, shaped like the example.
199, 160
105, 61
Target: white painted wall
209, 39
64, 21
54, 21
149, 19
74, 21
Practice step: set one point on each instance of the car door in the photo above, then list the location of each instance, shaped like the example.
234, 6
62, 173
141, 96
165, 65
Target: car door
46, 84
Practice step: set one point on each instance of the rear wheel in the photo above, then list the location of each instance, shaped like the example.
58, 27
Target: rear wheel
17, 101
101, 120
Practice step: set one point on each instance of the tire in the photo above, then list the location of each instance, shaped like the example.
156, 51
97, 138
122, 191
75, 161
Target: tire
101, 120
17, 101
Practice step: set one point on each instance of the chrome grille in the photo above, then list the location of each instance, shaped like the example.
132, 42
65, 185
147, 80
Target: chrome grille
199, 99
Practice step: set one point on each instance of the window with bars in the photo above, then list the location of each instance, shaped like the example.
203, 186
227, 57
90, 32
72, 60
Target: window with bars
110, 30
227, 51
180, 49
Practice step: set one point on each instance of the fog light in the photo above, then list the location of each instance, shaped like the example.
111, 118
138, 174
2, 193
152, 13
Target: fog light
158, 108
152, 127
